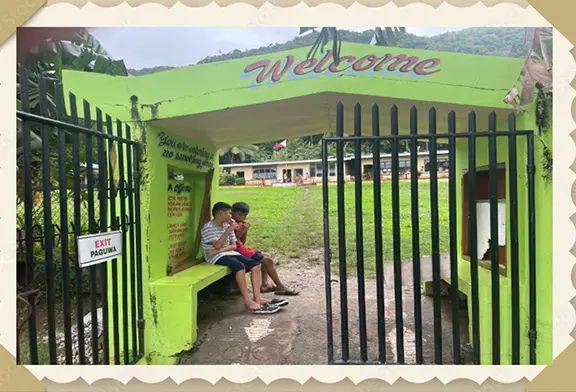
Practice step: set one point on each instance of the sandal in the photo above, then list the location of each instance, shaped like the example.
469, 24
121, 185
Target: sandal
286, 292
278, 302
267, 309
268, 290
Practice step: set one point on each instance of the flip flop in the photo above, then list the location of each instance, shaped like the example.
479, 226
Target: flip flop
278, 302
286, 292
267, 309
269, 290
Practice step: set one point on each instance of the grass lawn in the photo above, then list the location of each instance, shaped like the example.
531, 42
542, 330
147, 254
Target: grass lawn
289, 220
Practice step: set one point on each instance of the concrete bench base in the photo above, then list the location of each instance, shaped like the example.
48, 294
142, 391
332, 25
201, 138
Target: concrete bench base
174, 301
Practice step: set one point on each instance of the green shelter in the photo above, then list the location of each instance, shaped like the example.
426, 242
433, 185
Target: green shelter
188, 113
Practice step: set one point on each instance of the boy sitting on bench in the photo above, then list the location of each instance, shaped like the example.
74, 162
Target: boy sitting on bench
219, 246
240, 211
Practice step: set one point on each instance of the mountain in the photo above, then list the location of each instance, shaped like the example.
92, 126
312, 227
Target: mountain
495, 41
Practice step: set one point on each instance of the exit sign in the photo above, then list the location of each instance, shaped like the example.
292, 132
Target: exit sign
98, 248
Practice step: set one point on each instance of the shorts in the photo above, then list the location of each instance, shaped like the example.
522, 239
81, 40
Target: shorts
258, 256
237, 262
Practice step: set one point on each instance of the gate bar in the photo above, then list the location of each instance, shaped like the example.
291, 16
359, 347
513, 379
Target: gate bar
342, 230
48, 227
454, 291
28, 219
396, 237
103, 227
131, 227
327, 253
360, 234
473, 237
514, 265
377, 186
77, 231
532, 247
437, 136
114, 226
125, 339
495, 262
64, 237
416, 271
92, 228
437, 306
137, 176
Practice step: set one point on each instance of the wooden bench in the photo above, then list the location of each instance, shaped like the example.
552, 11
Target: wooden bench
174, 302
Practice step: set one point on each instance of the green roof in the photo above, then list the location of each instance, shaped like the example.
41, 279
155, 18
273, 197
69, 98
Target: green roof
417, 75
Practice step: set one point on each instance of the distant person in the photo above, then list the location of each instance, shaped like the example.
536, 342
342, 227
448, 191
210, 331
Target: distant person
240, 212
219, 246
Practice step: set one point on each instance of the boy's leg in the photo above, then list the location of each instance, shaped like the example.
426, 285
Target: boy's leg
250, 264
239, 271
268, 263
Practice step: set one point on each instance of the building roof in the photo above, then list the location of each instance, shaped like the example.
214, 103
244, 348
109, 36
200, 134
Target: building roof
347, 158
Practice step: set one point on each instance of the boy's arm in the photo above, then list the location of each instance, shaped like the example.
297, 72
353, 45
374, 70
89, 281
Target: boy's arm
217, 242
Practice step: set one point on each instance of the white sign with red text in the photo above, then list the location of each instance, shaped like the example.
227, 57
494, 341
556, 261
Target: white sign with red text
98, 248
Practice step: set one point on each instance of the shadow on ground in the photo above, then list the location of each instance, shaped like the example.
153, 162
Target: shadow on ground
228, 334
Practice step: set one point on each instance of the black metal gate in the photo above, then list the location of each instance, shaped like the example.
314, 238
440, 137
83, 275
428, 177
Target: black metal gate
75, 179
383, 332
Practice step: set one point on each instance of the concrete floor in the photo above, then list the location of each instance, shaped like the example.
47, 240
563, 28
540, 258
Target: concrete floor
296, 335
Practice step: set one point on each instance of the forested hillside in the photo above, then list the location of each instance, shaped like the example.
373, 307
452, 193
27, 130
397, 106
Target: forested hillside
495, 41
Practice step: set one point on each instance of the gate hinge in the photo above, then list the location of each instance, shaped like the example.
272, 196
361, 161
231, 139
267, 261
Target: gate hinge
533, 334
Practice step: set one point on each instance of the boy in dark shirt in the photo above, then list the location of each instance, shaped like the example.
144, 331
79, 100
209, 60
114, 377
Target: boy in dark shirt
240, 211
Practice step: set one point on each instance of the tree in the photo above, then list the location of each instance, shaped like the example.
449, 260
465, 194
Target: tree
381, 37
43, 53
240, 152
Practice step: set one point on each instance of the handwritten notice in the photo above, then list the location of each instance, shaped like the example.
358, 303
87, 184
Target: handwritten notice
179, 213
184, 152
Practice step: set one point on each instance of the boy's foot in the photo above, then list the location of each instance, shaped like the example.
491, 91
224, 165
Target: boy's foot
267, 289
287, 292
253, 305
262, 301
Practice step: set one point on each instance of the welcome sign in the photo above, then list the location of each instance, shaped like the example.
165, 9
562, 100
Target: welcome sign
269, 73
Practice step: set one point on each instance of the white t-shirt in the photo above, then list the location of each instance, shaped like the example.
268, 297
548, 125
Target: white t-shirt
212, 232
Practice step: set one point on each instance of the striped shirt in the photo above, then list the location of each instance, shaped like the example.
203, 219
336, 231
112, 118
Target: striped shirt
211, 233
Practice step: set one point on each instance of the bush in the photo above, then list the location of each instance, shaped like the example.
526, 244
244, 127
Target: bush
240, 181
227, 178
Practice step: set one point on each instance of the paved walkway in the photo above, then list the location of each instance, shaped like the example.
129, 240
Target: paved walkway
297, 334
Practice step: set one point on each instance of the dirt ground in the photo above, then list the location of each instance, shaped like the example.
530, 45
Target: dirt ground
296, 335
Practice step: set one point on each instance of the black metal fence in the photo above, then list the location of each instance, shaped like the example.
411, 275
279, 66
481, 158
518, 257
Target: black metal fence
75, 175
436, 329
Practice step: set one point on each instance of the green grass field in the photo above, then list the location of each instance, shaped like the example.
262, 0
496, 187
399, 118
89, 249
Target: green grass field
290, 221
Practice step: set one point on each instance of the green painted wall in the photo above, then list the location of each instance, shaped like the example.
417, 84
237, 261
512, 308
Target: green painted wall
543, 193
462, 79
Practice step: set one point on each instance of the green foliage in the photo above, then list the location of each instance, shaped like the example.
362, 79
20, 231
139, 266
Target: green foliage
240, 181
227, 178
237, 153
543, 110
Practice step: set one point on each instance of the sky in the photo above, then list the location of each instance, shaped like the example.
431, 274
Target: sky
145, 47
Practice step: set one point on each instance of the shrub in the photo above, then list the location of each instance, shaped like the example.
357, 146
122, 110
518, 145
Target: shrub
227, 178
240, 181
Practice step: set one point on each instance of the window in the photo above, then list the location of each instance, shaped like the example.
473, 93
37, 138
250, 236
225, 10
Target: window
386, 166
240, 174
484, 242
316, 169
264, 173
442, 165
